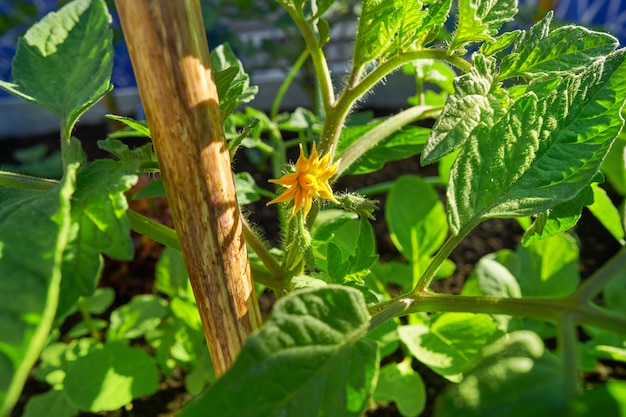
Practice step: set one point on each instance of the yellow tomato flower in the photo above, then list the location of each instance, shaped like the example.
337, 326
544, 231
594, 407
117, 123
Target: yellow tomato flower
310, 180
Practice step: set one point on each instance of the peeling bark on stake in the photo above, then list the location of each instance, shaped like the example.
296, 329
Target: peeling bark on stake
170, 57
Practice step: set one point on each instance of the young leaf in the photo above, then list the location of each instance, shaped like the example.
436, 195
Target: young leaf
544, 150
313, 349
480, 20
34, 229
516, 378
64, 62
234, 85
437, 12
398, 382
378, 25
475, 100
565, 50
451, 343
117, 374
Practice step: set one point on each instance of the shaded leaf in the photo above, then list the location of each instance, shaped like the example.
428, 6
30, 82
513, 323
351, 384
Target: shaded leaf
99, 225
516, 377
313, 350
398, 382
34, 229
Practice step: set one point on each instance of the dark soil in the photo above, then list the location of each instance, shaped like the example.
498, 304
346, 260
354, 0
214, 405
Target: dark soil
136, 277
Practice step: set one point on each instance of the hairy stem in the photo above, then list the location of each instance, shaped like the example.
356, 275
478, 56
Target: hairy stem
443, 254
322, 73
358, 88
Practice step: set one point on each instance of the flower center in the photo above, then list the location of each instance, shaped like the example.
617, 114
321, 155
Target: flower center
308, 182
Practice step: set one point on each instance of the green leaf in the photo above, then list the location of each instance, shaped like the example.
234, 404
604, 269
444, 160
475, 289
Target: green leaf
480, 20
99, 225
313, 349
153, 189
495, 280
416, 218
100, 300
64, 62
378, 25
327, 221
234, 87
246, 188
501, 43
609, 399
544, 150
365, 252
558, 220
142, 314
451, 343
614, 166
51, 403
516, 378
109, 377
437, 12
475, 100
171, 274
404, 143
604, 210
140, 128
547, 268
565, 50
34, 228
398, 382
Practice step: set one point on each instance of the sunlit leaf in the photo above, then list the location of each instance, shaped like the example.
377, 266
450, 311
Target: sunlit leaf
64, 62
480, 20
545, 149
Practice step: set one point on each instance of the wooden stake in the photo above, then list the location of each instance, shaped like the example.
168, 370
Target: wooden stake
170, 56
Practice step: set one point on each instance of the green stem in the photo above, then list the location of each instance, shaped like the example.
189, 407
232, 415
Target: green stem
287, 83
320, 65
358, 88
11, 179
380, 132
544, 308
443, 254
264, 255
594, 284
567, 344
